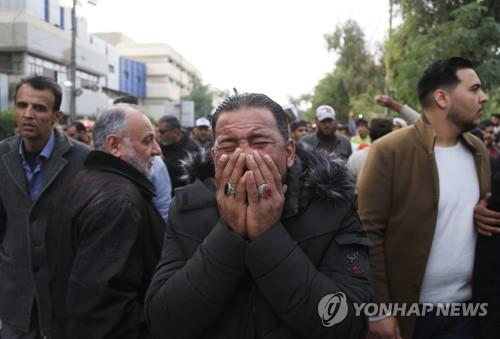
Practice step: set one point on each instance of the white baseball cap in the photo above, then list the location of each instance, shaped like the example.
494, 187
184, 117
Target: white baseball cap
202, 122
325, 112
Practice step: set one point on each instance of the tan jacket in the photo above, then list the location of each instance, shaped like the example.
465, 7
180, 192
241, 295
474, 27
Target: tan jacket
398, 195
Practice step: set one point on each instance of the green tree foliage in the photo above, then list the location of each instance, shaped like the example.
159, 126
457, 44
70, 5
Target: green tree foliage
303, 105
438, 29
356, 76
202, 98
7, 124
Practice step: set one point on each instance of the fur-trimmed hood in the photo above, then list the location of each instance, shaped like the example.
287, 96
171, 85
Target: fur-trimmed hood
320, 175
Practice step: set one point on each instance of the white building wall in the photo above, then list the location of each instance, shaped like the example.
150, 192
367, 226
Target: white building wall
82, 32
22, 31
89, 103
67, 19
54, 12
164, 74
13, 5
34, 8
35, 36
114, 63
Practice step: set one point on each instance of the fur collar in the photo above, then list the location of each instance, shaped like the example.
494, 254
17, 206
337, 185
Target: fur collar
321, 175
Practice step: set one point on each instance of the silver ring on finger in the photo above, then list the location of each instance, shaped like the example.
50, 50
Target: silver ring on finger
229, 189
264, 191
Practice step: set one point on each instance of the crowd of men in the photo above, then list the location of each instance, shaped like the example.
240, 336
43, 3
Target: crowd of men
252, 224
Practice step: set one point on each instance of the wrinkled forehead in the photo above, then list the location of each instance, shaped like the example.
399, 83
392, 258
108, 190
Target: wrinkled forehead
138, 124
29, 93
246, 121
244, 117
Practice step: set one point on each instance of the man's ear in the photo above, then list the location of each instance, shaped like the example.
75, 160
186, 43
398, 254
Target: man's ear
290, 152
441, 98
57, 116
114, 145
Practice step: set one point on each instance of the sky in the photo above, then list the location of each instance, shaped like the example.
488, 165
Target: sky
276, 47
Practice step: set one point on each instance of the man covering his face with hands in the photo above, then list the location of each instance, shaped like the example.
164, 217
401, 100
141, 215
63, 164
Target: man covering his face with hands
271, 246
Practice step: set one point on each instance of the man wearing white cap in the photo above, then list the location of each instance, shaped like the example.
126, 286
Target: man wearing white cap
326, 137
202, 133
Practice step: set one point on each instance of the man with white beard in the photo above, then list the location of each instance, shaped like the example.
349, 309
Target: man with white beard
105, 237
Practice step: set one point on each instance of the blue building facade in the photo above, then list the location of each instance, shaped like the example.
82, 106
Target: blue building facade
133, 77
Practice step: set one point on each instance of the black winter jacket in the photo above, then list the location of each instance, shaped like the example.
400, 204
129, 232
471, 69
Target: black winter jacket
103, 245
486, 278
173, 154
212, 283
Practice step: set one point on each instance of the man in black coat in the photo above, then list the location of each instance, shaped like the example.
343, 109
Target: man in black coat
175, 146
486, 277
270, 248
105, 239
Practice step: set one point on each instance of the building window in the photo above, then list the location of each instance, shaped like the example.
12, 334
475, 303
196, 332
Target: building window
138, 79
125, 74
88, 81
111, 68
44, 67
47, 13
61, 14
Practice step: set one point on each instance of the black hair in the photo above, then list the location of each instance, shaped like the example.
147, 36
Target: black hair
78, 126
126, 99
496, 115
297, 124
380, 127
171, 121
361, 121
440, 74
255, 100
478, 132
486, 123
40, 82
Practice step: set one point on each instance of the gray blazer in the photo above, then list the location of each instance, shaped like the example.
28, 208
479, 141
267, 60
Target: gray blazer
23, 264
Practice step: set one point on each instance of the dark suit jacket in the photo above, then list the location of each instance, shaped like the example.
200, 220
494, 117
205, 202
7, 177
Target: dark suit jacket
23, 268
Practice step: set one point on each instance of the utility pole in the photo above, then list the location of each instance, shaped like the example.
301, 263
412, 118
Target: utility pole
72, 66
386, 110
180, 86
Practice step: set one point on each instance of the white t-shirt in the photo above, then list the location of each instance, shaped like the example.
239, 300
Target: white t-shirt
449, 268
356, 161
